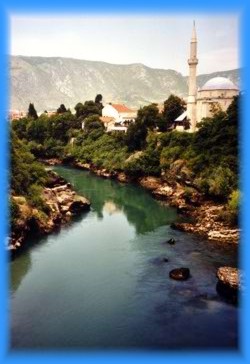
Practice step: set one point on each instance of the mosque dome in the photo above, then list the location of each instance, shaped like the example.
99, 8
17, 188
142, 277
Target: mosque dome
219, 83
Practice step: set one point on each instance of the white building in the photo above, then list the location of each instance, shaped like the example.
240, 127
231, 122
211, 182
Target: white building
17, 114
218, 91
117, 117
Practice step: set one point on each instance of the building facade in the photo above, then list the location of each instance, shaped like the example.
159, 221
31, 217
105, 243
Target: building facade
218, 92
117, 117
17, 114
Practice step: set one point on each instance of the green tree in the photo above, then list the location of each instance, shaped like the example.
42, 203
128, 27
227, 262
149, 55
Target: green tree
98, 99
62, 109
136, 136
37, 129
25, 171
221, 182
174, 106
98, 102
149, 116
32, 112
92, 122
78, 109
20, 127
89, 108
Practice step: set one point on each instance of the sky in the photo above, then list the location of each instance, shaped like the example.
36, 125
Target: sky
158, 41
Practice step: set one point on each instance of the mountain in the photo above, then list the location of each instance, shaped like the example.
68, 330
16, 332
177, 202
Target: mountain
50, 81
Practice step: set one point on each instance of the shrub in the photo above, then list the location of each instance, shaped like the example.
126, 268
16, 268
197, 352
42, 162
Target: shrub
234, 201
35, 198
221, 183
14, 211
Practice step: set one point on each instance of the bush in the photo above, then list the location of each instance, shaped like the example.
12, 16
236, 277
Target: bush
148, 164
232, 212
35, 199
14, 212
234, 201
221, 183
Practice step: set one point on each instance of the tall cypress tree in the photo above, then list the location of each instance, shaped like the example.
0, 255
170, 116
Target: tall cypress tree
32, 112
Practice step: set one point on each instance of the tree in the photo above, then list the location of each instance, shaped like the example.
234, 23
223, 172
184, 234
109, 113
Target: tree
62, 109
37, 130
98, 101
136, 136
92, 122
32, 112
20, 127
233, 111
174, 106
89, 108
25, 171
78, 109
149, 116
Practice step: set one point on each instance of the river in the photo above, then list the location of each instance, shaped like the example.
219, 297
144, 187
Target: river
101, 282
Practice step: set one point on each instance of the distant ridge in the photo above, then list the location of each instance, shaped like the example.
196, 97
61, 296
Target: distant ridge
50, 81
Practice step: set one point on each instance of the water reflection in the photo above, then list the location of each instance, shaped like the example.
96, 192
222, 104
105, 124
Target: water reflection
18, 271
111, 208
143, 212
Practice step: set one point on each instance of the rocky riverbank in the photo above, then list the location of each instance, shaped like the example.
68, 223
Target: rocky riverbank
61, 203
178, 191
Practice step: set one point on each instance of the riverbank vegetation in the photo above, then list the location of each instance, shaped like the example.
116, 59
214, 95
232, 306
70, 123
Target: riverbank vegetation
209, 157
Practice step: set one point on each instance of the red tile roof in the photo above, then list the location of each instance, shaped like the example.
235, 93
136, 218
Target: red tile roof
121, 108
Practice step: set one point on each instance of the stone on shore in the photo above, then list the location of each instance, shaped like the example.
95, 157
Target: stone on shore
180, 274
121, 177
79, 204
150, 183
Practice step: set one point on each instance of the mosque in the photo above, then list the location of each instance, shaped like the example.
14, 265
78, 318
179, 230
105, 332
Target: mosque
218, 91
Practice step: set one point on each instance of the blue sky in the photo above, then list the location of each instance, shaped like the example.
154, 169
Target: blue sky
159, 41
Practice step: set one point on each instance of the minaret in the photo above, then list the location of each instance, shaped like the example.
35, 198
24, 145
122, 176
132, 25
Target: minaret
192, 89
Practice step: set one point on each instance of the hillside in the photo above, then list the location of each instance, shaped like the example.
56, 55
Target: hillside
48, 82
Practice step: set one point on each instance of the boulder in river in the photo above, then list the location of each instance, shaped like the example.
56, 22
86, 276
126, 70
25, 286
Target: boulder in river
79, 204
229, 276
229, 283
180, 274
171, 241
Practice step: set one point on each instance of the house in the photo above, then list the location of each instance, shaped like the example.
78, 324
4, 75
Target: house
117, 117
50, 112
107, 120
17, 114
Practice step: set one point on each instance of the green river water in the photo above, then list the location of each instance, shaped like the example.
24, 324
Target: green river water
101, 282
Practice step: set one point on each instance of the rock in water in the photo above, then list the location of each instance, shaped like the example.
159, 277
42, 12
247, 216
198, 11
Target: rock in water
229, 276
229, 283
79, 204
171, 241
180, 274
